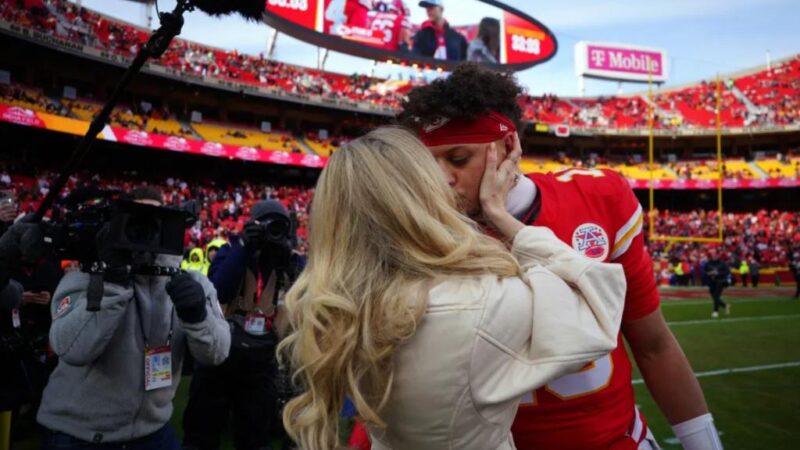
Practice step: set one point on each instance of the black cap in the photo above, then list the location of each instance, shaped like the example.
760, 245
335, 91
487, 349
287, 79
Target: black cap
264, 208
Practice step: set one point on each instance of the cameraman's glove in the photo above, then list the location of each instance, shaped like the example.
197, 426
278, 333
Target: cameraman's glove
188, 297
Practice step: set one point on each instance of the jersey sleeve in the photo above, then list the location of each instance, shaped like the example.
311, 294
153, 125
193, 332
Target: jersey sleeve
529, 337
629, 250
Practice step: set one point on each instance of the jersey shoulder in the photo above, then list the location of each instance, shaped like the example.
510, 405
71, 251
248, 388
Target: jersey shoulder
603, 197
596, 185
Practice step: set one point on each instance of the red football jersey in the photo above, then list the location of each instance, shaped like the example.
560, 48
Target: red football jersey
356, 12
387, 26
596, 212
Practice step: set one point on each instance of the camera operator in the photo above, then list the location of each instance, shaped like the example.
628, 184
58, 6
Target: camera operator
27, 281
248, 273
119, 367
12, 376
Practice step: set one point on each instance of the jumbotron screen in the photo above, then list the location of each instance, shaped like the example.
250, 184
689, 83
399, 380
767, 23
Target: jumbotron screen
436, 33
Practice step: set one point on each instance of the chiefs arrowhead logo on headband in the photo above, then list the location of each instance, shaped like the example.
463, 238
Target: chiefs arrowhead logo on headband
483, 129
436, 124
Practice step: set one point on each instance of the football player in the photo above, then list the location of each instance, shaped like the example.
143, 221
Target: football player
459, 118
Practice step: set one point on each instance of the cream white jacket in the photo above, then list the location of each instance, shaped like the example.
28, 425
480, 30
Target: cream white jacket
484, 343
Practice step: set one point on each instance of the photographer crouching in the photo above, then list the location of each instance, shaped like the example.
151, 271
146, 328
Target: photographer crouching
250, 274
119, 366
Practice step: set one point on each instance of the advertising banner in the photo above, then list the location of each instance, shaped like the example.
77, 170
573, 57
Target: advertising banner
621, 62
26, 117
764, 183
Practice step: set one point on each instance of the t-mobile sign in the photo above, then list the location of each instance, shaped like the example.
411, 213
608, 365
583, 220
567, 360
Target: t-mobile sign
620, 62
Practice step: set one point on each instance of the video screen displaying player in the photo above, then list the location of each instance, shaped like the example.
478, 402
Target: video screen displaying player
379, 23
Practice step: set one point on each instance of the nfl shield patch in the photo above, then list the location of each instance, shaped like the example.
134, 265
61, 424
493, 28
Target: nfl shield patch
591, 241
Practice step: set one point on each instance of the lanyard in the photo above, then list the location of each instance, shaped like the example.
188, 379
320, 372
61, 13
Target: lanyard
141, 323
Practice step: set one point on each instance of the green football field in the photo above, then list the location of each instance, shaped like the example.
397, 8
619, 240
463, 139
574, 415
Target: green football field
748, 364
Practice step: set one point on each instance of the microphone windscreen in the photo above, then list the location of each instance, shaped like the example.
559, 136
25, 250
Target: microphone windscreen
249, 9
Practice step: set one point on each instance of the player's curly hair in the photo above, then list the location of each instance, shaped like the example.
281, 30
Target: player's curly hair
471, 90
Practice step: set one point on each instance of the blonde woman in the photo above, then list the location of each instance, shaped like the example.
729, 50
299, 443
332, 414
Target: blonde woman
434, 330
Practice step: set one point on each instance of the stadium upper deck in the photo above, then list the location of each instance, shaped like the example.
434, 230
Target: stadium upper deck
761, 99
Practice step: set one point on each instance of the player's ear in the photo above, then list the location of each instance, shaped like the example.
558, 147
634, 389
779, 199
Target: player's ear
508, 142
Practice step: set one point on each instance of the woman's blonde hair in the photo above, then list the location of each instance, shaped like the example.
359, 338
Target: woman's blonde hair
383, 226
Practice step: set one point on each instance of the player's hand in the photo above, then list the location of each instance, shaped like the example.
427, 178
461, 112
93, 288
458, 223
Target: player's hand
498, 179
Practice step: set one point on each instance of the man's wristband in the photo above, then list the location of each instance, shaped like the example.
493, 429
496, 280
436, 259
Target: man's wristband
698, 433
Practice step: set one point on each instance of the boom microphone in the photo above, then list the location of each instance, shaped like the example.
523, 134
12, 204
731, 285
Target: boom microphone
249, 9
171, 24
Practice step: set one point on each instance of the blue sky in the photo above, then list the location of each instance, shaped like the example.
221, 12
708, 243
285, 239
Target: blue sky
702, 37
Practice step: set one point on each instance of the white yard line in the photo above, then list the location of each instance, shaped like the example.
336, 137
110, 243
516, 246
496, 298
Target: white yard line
735, 301
734, 370
735, 319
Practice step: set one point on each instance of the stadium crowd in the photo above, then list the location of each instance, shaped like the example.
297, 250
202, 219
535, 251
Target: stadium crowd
223, 209
777, 90
773, 92
766, 236
80, 25
160, 119
768, 239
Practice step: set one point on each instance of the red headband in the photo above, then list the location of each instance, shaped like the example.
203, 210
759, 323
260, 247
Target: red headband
481, 130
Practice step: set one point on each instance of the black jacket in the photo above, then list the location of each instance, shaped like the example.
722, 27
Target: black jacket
425, 43
716, 271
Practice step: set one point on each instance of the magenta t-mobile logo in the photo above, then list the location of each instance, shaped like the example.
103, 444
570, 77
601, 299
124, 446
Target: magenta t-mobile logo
598, 57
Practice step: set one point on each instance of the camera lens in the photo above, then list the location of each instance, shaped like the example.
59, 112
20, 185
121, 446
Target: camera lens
142, 229
277, 229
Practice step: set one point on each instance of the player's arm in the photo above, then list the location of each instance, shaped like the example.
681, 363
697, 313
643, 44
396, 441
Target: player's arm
665, 369
671, 382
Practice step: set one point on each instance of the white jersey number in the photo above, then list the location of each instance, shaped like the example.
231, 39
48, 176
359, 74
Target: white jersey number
566, 176
593, 378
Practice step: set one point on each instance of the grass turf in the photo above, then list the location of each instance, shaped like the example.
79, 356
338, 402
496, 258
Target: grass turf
752, 410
